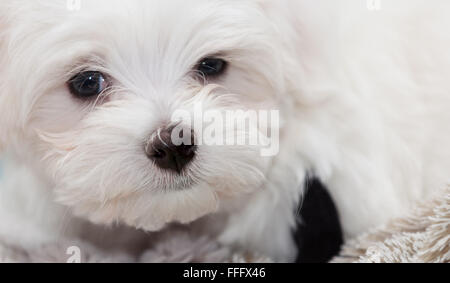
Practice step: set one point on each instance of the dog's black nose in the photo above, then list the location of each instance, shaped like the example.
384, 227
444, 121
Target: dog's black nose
166, 155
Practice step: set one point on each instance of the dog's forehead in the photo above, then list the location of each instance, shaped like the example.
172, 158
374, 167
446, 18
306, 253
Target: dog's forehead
174, 20
169, 33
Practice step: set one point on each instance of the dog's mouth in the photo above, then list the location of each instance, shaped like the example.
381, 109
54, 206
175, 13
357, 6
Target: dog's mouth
171, 180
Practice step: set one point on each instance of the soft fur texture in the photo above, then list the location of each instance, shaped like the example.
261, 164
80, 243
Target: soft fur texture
363, 97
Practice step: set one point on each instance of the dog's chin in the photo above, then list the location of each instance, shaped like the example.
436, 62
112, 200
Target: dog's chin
152, 203
153, 210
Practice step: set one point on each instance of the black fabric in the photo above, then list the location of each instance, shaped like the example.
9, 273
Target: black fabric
319, 234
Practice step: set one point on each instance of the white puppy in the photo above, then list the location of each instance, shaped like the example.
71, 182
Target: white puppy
87, 95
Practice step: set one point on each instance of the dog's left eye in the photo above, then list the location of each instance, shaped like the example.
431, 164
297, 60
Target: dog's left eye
212, 67
87, 84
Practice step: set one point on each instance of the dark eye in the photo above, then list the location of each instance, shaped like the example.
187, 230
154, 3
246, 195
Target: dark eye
87, 84
212, 67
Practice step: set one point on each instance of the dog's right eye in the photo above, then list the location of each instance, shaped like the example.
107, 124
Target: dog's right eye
87, 84
212, 67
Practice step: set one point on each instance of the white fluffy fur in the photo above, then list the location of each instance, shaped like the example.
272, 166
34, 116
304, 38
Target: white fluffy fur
364, 98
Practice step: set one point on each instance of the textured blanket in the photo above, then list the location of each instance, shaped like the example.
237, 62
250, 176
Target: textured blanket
421, 237
173, 246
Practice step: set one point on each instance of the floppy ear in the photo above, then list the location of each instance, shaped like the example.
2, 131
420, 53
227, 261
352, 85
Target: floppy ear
2, 23
3, 44
4, 7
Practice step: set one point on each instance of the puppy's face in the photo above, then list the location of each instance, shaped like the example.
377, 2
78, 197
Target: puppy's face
92, 92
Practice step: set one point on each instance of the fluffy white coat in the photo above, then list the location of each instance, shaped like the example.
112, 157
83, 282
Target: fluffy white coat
363, 94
